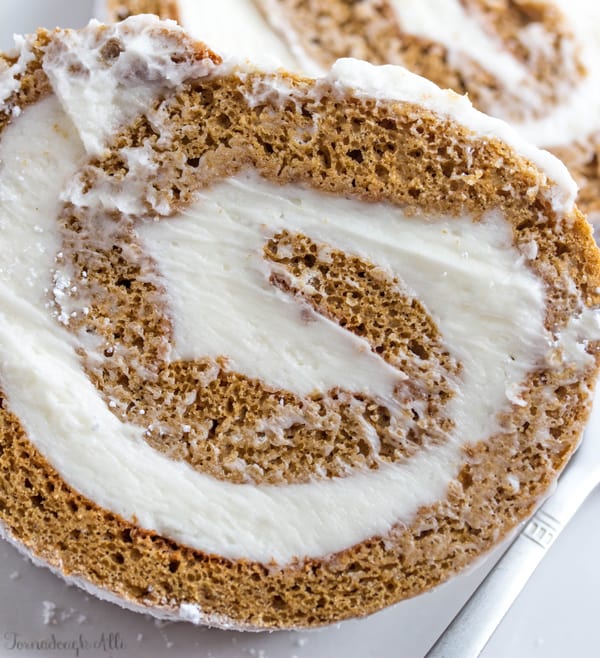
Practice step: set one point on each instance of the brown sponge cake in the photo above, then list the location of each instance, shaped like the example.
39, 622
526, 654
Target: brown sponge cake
275, 351
535, 64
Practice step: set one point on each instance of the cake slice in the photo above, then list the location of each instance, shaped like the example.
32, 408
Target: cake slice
275, 351
535, 64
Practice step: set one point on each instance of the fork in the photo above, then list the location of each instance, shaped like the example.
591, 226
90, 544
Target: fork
474, 625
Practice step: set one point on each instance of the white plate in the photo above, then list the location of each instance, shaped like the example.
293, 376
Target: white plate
556, 616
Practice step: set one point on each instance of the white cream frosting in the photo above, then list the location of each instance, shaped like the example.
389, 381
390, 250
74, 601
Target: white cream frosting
9, 75
142, 70
236, 27
449, 23
466, 274
278, 21
488, 305
224, 305
109, 462
577, 115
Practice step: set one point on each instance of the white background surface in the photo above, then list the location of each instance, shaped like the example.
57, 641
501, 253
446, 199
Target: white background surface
558, 615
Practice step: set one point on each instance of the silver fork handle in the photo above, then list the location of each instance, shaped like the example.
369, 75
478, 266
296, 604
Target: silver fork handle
474, 625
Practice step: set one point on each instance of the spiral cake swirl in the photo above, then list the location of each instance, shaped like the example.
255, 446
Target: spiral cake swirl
275, 351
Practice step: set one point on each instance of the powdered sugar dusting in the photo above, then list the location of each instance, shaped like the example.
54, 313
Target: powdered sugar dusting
53, 615
190, 612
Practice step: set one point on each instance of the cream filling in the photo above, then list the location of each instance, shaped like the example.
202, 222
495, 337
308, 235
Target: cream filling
9, 75
236, 27
100, 97
448, 22
466, 274
575, 117
277, 20
578, 115
109, 462
224, 306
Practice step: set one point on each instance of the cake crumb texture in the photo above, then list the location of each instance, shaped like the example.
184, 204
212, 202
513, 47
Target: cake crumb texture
535, 34
372, 150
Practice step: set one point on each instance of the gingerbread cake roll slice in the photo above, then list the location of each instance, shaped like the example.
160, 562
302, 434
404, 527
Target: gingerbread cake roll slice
275, 351
535, 64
